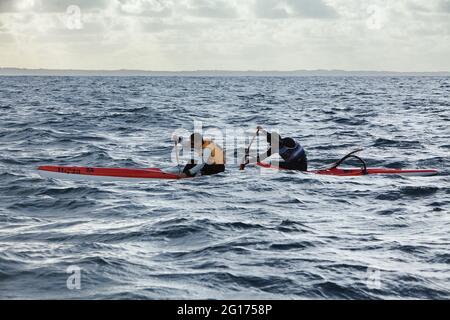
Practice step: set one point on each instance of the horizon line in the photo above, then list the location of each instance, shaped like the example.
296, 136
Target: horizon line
18, 71
224, 70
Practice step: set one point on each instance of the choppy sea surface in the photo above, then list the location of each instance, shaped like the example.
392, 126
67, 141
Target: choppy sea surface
240, 234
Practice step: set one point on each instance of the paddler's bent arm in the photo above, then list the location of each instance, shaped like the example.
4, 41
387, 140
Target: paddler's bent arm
196, 169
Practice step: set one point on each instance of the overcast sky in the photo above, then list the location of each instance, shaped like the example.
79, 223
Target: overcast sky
394, 35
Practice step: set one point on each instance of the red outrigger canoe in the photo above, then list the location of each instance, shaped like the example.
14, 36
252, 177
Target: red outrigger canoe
108, 174
334, 169
348, 172
104, 174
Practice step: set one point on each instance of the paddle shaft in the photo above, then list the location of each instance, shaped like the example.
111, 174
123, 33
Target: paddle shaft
176, 153
247, 151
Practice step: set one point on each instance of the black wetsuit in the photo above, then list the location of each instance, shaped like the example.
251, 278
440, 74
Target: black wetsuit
291, 152
300, 165
207, 170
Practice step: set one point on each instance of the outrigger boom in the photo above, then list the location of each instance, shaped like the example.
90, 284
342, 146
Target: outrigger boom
334, 169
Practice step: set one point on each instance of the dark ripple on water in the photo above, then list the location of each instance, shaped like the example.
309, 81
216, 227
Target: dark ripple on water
238, 235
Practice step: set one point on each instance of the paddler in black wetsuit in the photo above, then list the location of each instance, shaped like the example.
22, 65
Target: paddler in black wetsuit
289, 149
212, 159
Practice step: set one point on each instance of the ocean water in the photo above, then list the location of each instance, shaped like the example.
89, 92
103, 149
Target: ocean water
240, 234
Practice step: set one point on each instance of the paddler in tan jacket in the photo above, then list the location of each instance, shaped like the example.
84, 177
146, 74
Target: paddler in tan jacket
211, 157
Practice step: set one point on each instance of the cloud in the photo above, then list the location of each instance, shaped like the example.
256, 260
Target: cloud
428, 7
444, 6
2, 27
231, 34
16, 5
312, 9
62, 5
148, 8
50, 5
211, 9
271, 9
279, 9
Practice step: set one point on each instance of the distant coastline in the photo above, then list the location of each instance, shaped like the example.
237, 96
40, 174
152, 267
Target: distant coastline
207, 73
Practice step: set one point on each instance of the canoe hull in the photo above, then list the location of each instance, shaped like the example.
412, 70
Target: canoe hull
104, 174
353, 172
